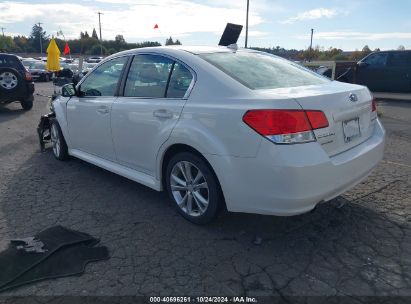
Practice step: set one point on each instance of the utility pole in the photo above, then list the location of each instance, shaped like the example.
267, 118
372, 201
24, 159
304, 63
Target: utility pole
246, 23
311, 45
41, 43
2, 30
101, 39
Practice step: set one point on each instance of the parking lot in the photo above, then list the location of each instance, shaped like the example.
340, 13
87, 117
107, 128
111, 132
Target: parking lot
357, 244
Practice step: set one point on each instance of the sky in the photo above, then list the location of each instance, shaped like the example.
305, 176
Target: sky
345, 24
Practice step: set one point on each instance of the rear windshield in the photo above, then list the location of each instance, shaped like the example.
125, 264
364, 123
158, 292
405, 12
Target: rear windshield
263, 71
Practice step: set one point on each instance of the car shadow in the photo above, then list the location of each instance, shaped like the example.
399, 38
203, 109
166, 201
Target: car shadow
346, 247
7, 113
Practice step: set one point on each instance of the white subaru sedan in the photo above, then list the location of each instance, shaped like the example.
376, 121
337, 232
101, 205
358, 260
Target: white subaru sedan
219, 127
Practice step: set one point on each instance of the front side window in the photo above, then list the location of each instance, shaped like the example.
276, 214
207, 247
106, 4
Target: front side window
263, 71
377, 60
103, 81
401, 59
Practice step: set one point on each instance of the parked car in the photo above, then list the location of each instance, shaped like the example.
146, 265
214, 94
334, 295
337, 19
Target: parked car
16, 83
39, 71
387, 71
95, 59
29, 61
216, 126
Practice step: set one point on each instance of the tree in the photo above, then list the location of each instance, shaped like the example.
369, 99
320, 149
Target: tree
95, 50
119, 39
401, 48
7, 43
366, 50
170, 41
86, 35
94, 34
36, 35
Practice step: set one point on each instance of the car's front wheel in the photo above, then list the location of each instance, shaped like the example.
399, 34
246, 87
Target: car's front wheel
193, 188
60, 150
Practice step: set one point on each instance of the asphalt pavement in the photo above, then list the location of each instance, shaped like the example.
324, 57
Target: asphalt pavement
357, 244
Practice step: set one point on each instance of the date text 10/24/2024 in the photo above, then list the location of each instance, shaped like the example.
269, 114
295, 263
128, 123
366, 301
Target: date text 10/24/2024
203, 299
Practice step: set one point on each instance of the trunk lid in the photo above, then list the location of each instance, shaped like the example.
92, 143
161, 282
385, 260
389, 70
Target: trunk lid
347, 107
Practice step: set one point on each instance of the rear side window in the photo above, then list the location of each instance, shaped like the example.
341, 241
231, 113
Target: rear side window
377, 60
401, 59
180, 81
263, 71
10, 62
154, 76
148, 76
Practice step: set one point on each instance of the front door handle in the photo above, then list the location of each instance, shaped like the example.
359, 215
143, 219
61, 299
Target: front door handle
162, 113
103, 110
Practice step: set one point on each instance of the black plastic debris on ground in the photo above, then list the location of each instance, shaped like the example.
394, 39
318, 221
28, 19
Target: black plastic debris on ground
53, 253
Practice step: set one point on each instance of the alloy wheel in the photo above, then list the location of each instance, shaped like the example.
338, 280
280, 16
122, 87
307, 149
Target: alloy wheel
8, 80
189, 188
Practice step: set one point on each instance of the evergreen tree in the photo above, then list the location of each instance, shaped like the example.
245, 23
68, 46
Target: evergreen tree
170, 41
94, 34
38, 33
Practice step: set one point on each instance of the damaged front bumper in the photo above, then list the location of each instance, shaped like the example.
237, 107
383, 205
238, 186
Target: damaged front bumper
43, 129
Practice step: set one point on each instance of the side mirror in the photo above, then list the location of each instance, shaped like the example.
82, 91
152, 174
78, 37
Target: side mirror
68, 90
362, 64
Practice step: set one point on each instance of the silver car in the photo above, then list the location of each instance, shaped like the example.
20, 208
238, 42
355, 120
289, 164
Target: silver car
219, 127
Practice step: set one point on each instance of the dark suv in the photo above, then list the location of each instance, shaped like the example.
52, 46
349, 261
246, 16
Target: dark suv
16, 83
386, 71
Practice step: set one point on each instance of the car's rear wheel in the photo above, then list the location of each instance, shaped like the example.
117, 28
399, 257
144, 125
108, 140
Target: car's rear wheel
27, 104
193, 188
59, 145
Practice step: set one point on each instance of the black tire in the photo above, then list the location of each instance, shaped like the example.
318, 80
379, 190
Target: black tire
15, 75
213, 191
60, 153
27, 104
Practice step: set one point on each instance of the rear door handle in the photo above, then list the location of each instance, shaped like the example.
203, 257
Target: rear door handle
162, 113
103, 110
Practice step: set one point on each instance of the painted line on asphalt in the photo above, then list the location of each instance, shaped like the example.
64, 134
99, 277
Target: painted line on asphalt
394, 163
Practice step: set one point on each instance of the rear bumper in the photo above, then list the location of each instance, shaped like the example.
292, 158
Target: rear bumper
25, 92
289, 180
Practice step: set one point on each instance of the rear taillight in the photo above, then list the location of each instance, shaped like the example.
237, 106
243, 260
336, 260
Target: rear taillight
374, 105
286, 126
28, 76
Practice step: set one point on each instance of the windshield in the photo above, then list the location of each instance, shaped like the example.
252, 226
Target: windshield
263, 71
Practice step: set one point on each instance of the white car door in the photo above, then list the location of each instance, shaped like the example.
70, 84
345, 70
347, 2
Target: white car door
89, 113
142, 119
